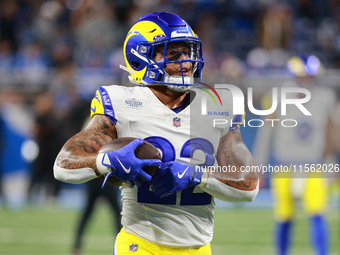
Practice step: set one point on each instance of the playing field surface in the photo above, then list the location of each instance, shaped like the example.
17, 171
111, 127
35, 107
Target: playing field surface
238, 231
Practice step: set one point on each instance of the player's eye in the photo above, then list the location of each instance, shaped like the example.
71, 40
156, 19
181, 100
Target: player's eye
186, 52
173, 54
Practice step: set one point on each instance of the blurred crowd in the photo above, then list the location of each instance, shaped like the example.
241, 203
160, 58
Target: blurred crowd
55, 53
61, 44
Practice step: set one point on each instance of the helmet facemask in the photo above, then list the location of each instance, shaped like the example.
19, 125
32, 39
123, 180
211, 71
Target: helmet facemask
150, 53
174, 51
179, 53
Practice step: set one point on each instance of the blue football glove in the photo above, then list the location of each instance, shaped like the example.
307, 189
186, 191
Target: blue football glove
127, 166
173, 176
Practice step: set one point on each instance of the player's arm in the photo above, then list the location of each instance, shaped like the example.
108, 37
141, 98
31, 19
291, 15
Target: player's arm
233, 184
79, 160
76, 162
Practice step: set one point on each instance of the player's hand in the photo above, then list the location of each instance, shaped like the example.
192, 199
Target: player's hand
126, 165
173, 176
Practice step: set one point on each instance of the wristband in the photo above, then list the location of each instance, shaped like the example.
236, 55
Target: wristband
75, 176
204, 179
198, 175
99, 163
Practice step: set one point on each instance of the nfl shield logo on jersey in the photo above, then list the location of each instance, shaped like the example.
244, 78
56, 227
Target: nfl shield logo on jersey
133, 247
177, 122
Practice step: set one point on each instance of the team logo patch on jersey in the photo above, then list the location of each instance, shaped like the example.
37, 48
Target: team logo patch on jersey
177, 122
133, 247
133, 103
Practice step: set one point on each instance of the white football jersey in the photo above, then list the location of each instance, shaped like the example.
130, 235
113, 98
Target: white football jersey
305, 143
184, 219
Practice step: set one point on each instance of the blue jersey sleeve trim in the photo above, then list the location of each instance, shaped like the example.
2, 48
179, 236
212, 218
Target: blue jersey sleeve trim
237, 121
108, 108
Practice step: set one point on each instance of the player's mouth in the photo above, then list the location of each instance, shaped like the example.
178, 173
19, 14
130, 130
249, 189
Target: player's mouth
186, 72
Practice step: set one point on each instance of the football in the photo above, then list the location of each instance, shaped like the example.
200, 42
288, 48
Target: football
144, 151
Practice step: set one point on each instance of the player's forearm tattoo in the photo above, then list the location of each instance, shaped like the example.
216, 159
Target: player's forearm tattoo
81, 149
233, 152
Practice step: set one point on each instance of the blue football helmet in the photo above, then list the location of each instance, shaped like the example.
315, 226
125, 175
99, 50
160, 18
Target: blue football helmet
157, 32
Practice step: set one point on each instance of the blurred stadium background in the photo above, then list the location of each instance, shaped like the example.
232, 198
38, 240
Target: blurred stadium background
53, 56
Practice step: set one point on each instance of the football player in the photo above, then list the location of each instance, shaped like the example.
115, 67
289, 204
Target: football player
172, 211
307, 144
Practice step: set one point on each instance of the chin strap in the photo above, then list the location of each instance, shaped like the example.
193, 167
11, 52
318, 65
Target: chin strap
178, 80
177, 88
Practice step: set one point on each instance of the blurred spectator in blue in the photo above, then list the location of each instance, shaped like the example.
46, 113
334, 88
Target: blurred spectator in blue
31, 66
2, 197
6, 62
51, 23
93, 20
17, 123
